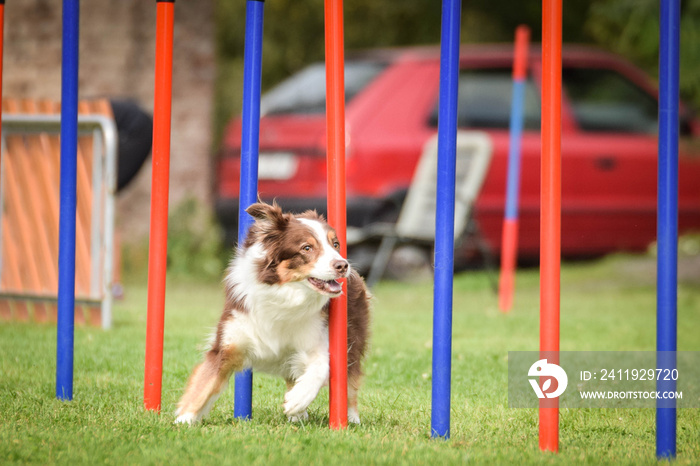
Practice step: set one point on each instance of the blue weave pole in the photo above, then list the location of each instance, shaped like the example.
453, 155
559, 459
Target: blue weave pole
250, 141
66, 229
444, 219
667, 223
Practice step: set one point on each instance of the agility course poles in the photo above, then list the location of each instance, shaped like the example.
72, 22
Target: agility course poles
158, 240
444, 219
250, 137
509, 241
550, 211
2, 48
336, 185
667, 223
335, 165
68, 190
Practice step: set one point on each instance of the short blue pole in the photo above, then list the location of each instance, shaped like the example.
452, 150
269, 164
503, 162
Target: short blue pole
444, 218
252, 67
66, 231
667, 222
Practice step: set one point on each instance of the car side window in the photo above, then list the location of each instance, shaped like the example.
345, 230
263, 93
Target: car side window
485, 100
602, 100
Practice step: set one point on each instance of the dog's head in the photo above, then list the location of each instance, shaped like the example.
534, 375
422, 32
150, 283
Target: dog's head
296, 248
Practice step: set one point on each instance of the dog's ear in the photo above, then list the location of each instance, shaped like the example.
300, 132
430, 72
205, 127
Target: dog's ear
267, 213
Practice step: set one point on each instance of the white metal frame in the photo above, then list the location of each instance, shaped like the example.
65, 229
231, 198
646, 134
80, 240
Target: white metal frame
104, 175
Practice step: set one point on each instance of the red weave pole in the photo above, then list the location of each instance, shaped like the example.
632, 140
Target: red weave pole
550, 211
2, 48
522, 42
158, 241
335, 135
509, 256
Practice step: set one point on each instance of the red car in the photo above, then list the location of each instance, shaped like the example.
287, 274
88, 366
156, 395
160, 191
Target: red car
609, 144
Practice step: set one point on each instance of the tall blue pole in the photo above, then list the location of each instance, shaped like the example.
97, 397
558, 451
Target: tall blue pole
252, 67
66, 231
667, 222
444, 218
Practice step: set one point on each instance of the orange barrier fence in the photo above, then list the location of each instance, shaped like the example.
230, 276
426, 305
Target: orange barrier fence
29, 197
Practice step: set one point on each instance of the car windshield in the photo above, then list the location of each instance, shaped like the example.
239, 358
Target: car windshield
305, 91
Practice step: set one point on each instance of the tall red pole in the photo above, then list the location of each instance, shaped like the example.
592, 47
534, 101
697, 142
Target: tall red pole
2, 48
550, 211
335, 135
158, 242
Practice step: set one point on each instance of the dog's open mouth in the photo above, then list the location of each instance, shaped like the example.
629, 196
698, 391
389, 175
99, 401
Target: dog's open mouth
326, 286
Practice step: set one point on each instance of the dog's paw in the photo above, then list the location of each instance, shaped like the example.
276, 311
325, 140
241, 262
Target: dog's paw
297, 400
300, 417
353, 416
187, 418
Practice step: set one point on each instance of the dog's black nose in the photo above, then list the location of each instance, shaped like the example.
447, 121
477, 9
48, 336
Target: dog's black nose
341, 266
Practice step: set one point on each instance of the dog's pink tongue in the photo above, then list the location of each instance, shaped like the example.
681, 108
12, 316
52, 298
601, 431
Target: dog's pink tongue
334, 286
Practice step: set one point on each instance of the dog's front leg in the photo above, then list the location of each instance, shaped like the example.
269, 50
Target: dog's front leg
314, 375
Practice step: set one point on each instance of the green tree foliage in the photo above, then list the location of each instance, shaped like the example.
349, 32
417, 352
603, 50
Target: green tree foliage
294, 37
495, 20
631, 28
294, 34
294, 30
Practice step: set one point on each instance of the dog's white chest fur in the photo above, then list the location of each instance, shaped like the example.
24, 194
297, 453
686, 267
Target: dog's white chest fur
283, 324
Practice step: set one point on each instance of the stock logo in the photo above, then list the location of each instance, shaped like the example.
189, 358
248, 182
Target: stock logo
552, 372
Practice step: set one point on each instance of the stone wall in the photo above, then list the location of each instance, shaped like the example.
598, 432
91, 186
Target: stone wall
117, 52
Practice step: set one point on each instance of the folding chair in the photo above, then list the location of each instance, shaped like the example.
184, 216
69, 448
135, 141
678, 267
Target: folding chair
416, 222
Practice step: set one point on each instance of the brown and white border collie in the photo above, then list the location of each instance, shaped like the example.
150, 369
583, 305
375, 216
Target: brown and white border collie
275, 318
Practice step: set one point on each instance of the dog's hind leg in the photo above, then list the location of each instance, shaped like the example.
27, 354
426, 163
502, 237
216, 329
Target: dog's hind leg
206, 383
354, 380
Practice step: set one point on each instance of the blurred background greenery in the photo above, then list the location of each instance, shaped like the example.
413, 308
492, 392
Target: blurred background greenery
293, 35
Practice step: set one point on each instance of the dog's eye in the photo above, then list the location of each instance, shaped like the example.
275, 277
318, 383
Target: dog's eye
336, 245
306, 248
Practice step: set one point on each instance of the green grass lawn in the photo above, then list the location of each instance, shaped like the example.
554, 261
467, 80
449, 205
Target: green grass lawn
605, 305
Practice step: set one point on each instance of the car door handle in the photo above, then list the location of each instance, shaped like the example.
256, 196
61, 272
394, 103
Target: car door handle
606, 162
